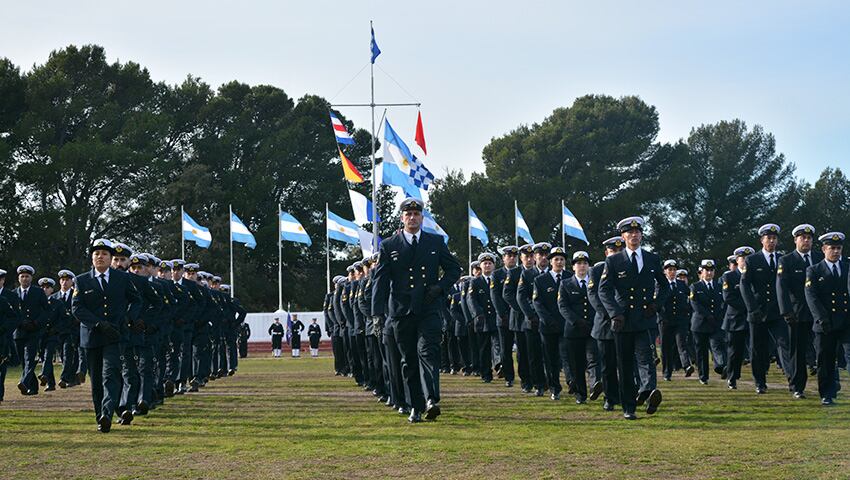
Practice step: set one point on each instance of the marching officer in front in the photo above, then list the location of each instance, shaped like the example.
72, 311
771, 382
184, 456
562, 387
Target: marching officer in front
483, 314
34, 311
735, 318
70, 334
628, 291
827, 297
708, 309
578, 316
531, 325
601, 330
104, 301
504, 312
545, 298
50, 339
758, 289
791, 294
516, 317
674, 321
406, 288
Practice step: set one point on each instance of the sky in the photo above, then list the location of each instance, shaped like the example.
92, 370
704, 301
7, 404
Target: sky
482, 68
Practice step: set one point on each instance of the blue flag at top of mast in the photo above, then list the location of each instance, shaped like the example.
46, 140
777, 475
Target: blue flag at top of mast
374, 45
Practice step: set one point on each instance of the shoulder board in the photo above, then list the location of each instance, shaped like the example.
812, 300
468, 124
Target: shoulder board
808, 282
779, 270
725, 285
691, 295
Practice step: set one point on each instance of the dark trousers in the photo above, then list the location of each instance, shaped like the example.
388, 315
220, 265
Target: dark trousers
702, 341
418, 338
47, 365
130, 377
69, 360
360, 341
172, 356
474, 350
674, 343
826, 346
3, 367
243, 348
104, 365
145, 365
376, 364
27, 349
506, 339
799, 341
455, 359
608, 370
465, 353
537, 375
339, 354
737, 345
761, 335
552, 363
354, 358
82, 361
627, 343
398, 391
186, 357
522, 359
582, 356
485, 355
201, 356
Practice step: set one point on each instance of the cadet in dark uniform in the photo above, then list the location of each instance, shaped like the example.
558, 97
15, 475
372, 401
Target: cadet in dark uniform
50, 339
504, 311
708, 311
674, 322
9, 320
578, 321
602, 329
483, 313
70, 334
545, 299
461, 332
295, 336
826, 294
34, 311
758, 289
407, 285
471, 335
244, 335
515, 315
104, 301
735, 319
628, 290
791, 294
531, 324
314, 333
276, 330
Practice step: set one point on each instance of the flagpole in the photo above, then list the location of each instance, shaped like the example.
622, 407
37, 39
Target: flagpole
563, 235
375, 226
182, 240
279, 263
327, 251
230, 222
516, 224
469, 237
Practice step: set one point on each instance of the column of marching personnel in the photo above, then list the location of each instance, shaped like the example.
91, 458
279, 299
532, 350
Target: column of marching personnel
141, 328
401, 317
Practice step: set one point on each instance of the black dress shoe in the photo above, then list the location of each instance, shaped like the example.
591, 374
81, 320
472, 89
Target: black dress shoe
509, 384
641, 398
703, 382
453, 372
667, 378
761, 390
432, 411
595, 390
50, 388
390, 403
799, 395
466, 374
608, 406
724, 375
555, 396
126, 417
104, 424
81, 378
580, 400
414, 417
689, 370
718, 370
487, 380
142, 408
629, 416
23, 388
403, 410
732, 385
382, 399
653, 401
538, 392
826, 401
169, 388
337, 374
63, 384
42, 380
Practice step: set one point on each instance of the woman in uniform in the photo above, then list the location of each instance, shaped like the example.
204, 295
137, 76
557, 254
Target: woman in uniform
276, 331
295, 332
314, 333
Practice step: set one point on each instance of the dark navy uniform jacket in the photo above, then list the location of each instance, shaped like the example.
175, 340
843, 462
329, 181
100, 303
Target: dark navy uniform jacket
735, 318
524, 294
545, 299
575, 308
404, 277
708, 307
481, 307
119, 305
327, 308
601, 321
827, 297
625, 291
790, 285
509, 290
34, 310
758, 289
456, 309
676, 308
497, 290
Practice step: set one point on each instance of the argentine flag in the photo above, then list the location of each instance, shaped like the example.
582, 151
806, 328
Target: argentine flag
397, 163
342, 229
476, 228
195, 233
240, 233
430, 225
292, 231
522, 230
571, 226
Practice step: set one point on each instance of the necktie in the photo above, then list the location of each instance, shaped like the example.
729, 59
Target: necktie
772, 263
634, 261
808, 261
414, 243
672, 287
583, 285
103, 281
835, 270
23, 294
557, 278
709, 287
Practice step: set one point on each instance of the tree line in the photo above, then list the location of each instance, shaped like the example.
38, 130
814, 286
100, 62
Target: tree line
91, 149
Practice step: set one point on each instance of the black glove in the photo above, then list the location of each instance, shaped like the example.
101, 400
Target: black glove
108, 331
433, 293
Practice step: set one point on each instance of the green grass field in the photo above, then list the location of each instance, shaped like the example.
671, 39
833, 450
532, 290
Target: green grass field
293, 419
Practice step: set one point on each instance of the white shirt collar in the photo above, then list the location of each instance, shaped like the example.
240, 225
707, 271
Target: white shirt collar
555, 275
585, 278
639, 252
409, 236
830, 264
768, 254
